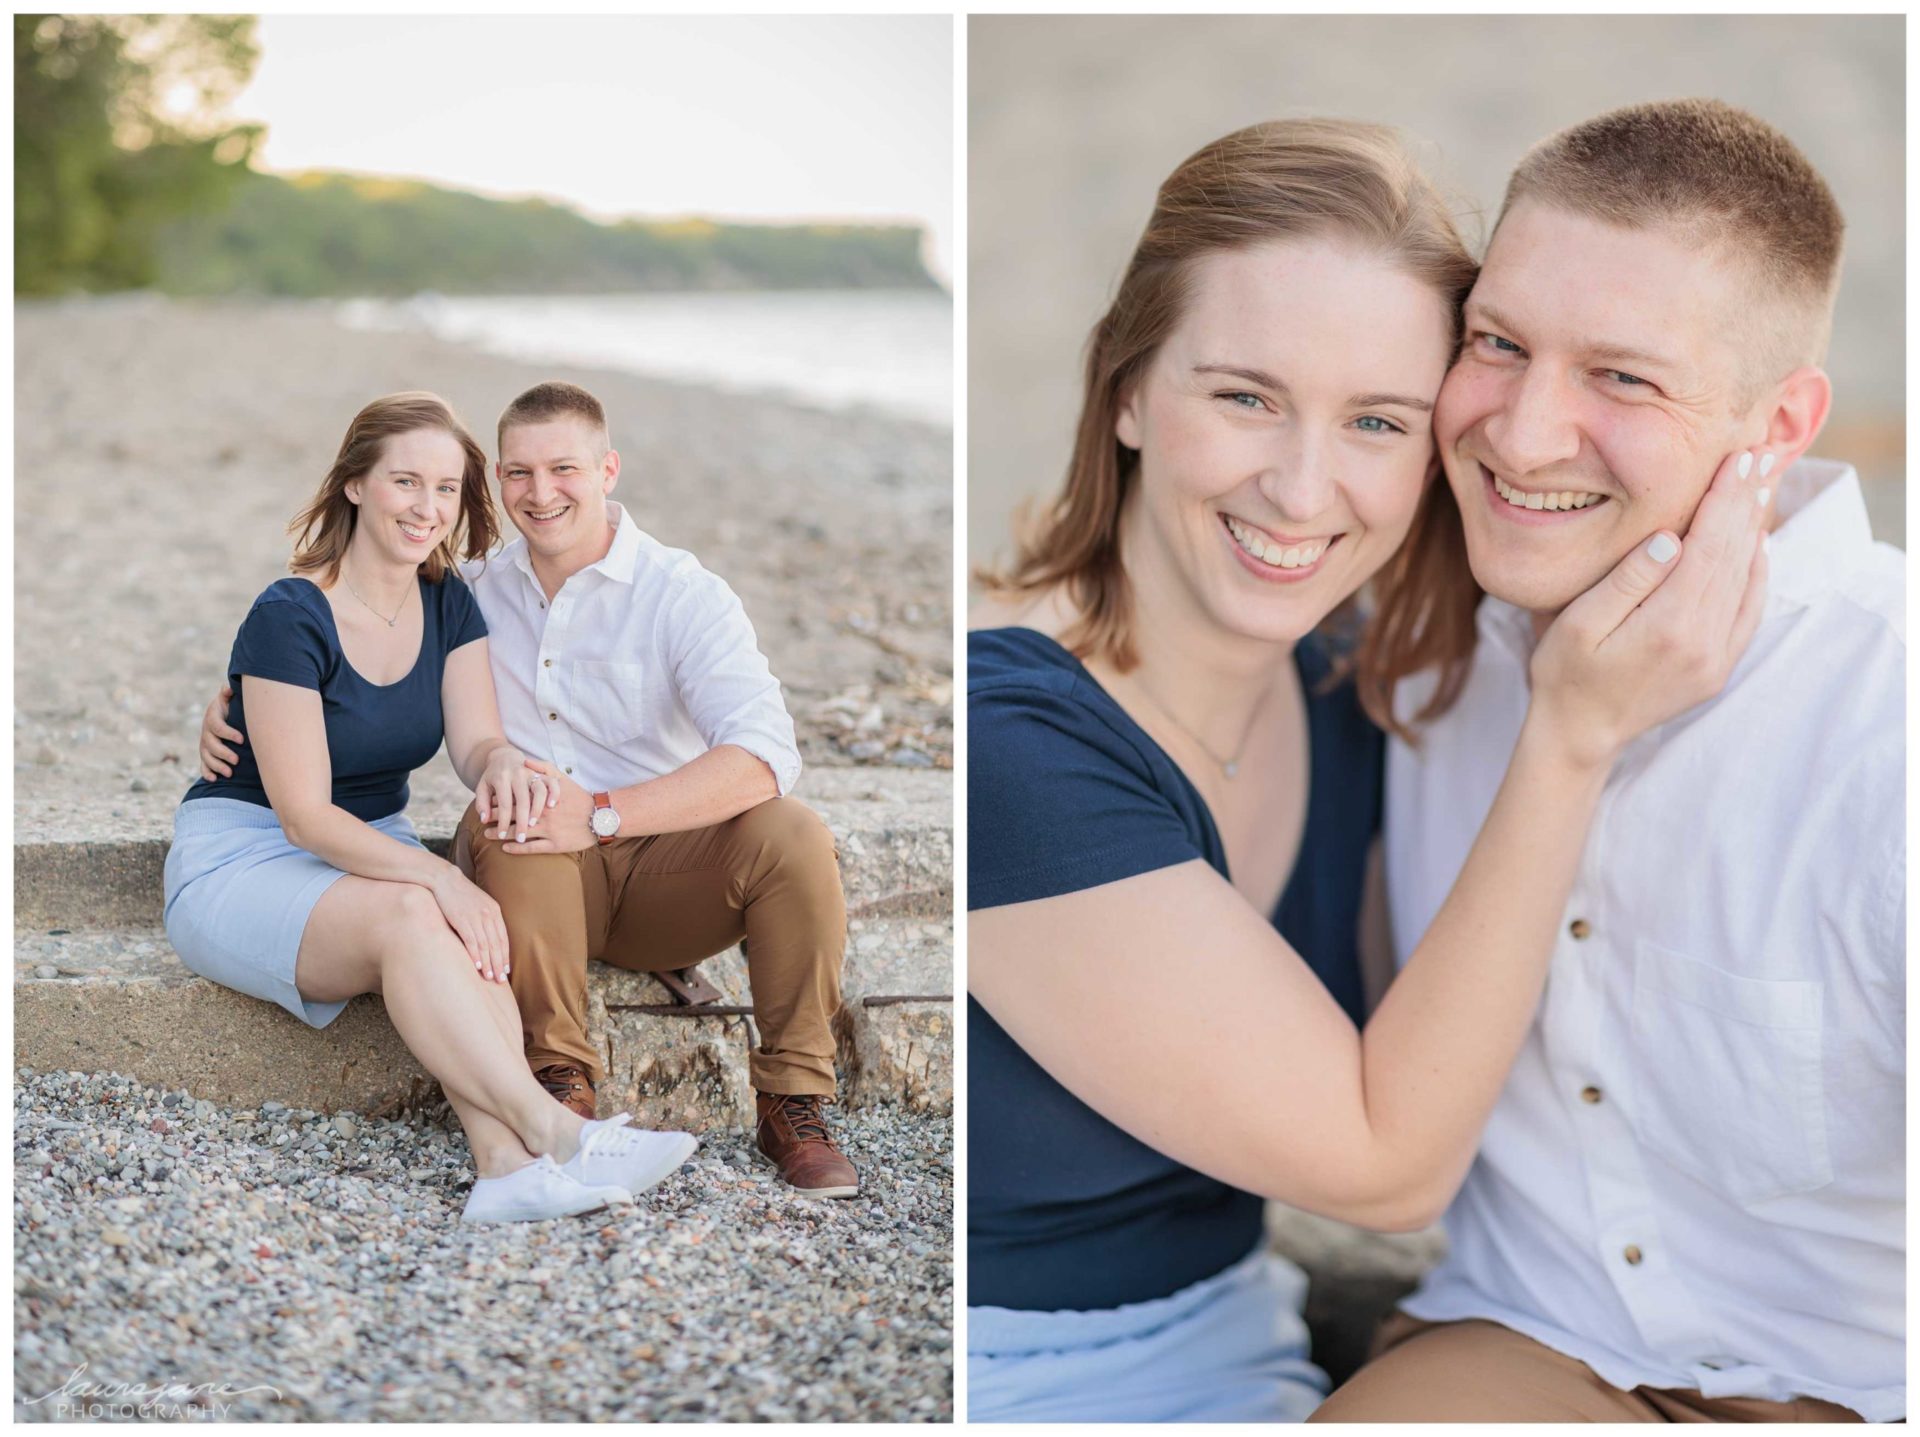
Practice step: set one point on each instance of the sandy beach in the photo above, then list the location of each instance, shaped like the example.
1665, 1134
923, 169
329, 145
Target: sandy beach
161, 447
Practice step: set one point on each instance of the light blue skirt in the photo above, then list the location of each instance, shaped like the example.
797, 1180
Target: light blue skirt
238, 897
1229, 1348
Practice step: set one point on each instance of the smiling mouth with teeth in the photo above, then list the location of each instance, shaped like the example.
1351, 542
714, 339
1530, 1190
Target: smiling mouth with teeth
1272, 553
1563, 499
541, 516
413, 533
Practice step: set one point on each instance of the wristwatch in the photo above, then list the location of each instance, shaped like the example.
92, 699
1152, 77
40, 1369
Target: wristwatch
605, 821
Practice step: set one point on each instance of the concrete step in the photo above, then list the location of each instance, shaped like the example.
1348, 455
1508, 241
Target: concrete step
95, 1000
895, 832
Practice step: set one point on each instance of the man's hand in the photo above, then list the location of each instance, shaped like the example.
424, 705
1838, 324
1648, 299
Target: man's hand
564, 825
216, 758
512, 794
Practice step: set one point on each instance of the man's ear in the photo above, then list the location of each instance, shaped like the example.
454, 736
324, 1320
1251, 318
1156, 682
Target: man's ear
1795, 412
609, 471
1126, 419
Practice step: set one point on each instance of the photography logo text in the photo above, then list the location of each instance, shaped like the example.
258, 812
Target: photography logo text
79, 1398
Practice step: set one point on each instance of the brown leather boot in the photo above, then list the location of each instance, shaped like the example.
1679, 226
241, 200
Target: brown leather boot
570, 1085
792, 1132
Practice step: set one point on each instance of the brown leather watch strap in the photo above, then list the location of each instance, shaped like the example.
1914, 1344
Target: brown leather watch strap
603, 800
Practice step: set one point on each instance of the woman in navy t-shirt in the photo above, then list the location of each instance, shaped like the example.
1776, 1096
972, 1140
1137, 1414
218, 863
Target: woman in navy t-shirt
297, 878
1171, 801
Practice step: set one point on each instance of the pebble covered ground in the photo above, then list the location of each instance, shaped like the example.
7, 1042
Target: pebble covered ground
319, 1261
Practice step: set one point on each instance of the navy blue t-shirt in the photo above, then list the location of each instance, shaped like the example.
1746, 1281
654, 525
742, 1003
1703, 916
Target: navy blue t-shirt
1065, 792
377, 734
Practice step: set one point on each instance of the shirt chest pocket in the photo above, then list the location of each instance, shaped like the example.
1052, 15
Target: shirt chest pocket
1727, 1082
608, 702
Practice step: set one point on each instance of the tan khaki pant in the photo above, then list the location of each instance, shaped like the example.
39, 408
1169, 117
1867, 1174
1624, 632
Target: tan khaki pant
664, 901
1483, 1372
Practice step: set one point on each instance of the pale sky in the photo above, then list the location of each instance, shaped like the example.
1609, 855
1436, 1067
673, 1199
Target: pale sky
733, 117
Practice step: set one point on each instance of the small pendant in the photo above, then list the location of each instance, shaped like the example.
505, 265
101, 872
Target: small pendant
1231, 768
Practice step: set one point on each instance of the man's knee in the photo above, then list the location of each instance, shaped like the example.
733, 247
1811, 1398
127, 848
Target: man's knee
1472, 1371
508, 877
787, 830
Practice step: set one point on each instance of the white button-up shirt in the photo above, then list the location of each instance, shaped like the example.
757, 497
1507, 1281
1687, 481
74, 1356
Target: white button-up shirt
1694, 1177
640, 664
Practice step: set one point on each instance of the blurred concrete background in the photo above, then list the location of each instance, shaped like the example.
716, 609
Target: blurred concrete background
1074, 121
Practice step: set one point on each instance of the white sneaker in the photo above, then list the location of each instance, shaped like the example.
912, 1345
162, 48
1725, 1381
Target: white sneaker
630, 1158
535, 1192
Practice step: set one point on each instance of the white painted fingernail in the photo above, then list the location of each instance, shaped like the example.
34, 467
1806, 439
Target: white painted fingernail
520, 838
1662, 549
1762, 496
1745, 466
1766, 463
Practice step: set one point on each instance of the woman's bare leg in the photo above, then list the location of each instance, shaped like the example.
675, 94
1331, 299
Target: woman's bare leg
390, 938
510, 1152
497, 1149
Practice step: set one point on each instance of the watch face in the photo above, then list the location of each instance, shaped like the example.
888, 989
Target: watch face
605, 822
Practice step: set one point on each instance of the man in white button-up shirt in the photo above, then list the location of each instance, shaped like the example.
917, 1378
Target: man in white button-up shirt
634, 673
630, 675
1689, 1202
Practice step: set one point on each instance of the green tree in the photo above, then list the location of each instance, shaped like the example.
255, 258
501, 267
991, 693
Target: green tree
118, 127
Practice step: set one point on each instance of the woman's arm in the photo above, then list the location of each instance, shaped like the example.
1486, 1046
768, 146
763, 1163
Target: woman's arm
1237, 1062
290, 745
494, 769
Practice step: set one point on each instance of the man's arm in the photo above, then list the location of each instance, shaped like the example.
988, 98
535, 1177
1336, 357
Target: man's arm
722, 783
724, 682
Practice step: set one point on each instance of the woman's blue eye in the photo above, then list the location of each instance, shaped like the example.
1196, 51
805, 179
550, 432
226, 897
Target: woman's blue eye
1374, 424
1235, 396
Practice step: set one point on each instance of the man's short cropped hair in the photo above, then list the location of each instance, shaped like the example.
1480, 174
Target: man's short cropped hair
1723, 178
551, 400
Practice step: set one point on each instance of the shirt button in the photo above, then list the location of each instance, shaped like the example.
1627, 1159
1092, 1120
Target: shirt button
569, 768
543, 603
1589, 1095
1632, 1255
554, 717
546, 663
1579, 928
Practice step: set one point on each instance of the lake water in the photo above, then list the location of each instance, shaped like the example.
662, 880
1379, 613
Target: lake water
890, 349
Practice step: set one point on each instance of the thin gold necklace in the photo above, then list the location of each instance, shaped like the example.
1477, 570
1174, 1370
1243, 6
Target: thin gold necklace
370, 608
1227, 766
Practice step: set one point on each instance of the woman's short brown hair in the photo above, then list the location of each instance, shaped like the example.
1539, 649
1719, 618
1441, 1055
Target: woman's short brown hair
1282, 180
324, 528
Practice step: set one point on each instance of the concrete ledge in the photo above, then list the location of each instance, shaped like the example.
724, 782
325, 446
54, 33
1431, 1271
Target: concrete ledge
895, 833
123, 1002
897, 1053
